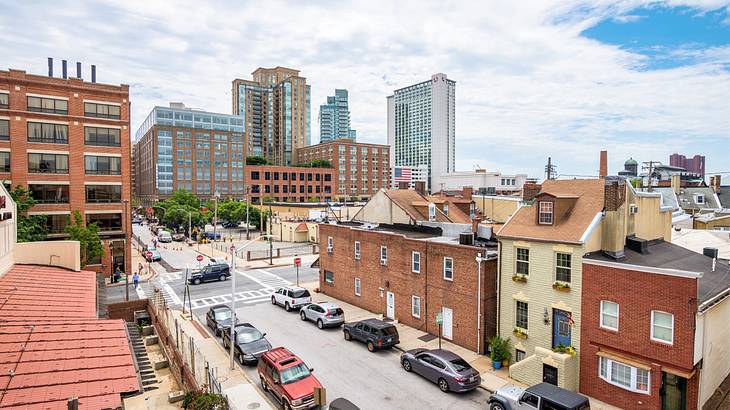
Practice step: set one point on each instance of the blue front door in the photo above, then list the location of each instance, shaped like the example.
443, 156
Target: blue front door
561, 328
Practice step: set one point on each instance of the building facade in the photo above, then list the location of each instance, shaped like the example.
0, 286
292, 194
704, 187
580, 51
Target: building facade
182, 148
268, 183
483, 182
407, 176
360, 169
334, 118
275, 106
695, 164
422, 127
67, 141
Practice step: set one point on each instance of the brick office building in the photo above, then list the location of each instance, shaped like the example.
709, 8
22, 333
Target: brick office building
361, 169
289, 184
67, 140
410, 274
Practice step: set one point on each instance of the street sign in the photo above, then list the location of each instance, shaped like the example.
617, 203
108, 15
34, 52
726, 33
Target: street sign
297, 261
233, 248
439, 318
148, 254
199, 258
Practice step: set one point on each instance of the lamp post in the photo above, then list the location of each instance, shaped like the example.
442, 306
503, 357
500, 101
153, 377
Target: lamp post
124, 259
248, 204
479, 260
215, 214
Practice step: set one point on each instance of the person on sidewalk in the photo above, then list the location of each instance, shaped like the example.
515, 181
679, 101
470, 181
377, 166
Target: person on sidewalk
135, 279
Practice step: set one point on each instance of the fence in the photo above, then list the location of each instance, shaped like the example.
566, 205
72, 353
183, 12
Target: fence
279, 252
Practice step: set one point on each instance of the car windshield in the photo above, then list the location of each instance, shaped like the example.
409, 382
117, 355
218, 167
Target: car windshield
294, 373
222, 314
248, 337
389, 331
302, 293
460, 365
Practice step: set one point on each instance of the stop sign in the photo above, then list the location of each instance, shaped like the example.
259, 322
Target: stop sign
148, 254
297, 261
199, 258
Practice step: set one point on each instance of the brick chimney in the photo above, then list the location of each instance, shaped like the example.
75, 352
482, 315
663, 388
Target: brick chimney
530, 190
421, 187
467, 192
614, 194
402, 184
715, 183
603, 164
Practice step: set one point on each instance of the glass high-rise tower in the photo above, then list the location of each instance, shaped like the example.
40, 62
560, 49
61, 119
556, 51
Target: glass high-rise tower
422, 127
334, 118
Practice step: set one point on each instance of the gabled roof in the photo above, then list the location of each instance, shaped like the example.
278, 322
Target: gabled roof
409, 200
688, 198
724, 196
571, 226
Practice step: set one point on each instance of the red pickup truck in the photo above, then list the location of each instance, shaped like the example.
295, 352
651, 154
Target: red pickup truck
288, 379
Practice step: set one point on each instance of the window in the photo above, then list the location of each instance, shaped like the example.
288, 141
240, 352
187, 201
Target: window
97, 165
48, 133
102, 110
383, 255
106, 137
446, 209
103, 193
4, 98
700, 198
530, 399
609, 315
4, 161
448, 268
47, 105
357, 250
624, 376
357, 287
48, 163
562, 267
523, 261
56, 224
416, 306
519, 355
330, 246
662, 326
416, 262
49, 194
329, 277
106, 222
545, 216
521, 315
255, 175
4, 130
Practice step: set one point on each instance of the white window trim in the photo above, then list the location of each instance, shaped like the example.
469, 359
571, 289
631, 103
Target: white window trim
54, 97
617, 316
517, 249
634, 376
357, 250
383, 260
671, 342
539, 212
103, 102
413, 305
330, 246
413, 262
358, 285
451, 279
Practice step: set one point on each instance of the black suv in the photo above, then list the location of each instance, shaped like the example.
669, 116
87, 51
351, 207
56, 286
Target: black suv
376, 334
215, 271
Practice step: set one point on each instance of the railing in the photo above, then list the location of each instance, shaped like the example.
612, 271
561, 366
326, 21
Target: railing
279, 252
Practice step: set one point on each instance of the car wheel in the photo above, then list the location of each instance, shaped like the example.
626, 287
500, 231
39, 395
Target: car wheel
196, 281
407, 365
287, 307
263, 385
303, 315
348, 336
286, 405
320, 324
222, 278
273, 300
496, 406
371, 346
443, 385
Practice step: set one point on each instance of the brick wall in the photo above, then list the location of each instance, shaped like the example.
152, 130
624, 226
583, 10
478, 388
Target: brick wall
326, 183
125, 310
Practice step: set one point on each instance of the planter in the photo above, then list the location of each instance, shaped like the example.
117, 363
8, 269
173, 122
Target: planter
505, 362
561, 287
519, 278
520, 333
496, 364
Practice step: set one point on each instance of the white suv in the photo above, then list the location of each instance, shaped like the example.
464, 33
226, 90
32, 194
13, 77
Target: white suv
291, 297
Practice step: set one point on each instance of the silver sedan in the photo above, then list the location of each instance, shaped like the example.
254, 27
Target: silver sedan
449, 371
325, 314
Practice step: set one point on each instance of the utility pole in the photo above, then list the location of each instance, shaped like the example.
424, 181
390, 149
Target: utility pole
271, 245
233, 302
649, 167
126, 236
550, 169
248, 205
215, 214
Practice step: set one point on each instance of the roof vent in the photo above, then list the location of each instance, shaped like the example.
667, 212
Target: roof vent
711, 252
637, 244
466, 238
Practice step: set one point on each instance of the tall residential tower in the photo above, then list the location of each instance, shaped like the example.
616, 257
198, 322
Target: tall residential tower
275, 107
334, 118
421, 127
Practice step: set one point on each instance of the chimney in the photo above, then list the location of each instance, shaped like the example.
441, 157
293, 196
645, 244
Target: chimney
64, 69
715, 183
467, 192
402, 184
676, 183
529, 191
421, 187
614, 193
50, 66
603, 164
78, 70
93, 73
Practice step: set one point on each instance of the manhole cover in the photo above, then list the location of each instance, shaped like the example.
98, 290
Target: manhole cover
255, 405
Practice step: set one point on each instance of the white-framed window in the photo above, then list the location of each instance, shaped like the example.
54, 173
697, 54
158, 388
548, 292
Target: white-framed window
357, 287
563, 267
609, 315
383, 255
416, 262
700, 198
662, 327
416, 306
329, 277
522, 261
519, 355
446, 209
545, 215
357, 250
624, 376
330, 243
448, 268
521, 314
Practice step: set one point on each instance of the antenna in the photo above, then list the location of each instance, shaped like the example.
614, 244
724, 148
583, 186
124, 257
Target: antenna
550, 169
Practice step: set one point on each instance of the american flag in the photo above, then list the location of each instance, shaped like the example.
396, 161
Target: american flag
402, 174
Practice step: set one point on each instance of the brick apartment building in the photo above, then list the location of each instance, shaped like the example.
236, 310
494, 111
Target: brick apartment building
289, 184
410, 274
361, 168
67, 140
695, 164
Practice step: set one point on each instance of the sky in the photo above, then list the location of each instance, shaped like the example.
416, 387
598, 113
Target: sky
564, 79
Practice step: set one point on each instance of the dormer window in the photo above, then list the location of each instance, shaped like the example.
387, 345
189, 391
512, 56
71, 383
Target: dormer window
700, 198
545, 213
446, 209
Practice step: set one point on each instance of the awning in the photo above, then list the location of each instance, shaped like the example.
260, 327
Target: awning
623, 359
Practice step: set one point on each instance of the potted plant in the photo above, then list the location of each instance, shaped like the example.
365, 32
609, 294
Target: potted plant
499, 351
561, 286
561, 348
518, 277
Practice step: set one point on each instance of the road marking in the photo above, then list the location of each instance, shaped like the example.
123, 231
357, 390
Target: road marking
249, 297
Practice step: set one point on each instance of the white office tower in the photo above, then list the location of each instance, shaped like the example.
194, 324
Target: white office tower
422, 127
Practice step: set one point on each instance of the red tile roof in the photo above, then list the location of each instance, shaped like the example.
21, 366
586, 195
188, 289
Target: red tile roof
52, 347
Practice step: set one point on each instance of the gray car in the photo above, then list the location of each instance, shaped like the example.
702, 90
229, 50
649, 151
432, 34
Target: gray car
325, 314
445, 368
539, 396
250, 343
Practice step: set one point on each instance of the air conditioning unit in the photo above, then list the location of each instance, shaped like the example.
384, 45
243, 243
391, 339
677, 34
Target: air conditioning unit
329, 249
633, 209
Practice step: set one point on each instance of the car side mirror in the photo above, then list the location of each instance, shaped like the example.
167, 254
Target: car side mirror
277, 382
263, 335
311, 369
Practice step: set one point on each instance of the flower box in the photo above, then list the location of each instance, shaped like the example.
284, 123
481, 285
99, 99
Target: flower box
564, 349
518, 277
519, 332
561, 286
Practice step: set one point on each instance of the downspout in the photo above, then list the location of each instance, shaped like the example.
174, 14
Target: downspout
426, 285
479, 302
499, 285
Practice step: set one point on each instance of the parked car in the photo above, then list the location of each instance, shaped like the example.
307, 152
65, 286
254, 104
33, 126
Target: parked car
218, 318
250, 343
155, 255
324, 314
178, 237
288, 379
164, 236
376, 334
136, 221
218, 271
212, 235
445, 368
539, 396
291, 297
342, 403
230, 225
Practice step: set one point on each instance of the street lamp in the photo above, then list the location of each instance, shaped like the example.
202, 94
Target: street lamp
479, 260
124, 260
215, 214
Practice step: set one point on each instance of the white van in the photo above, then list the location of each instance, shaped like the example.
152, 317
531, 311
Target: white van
164, 236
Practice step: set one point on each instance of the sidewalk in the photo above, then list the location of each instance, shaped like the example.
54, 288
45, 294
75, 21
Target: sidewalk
208, 251
137, 259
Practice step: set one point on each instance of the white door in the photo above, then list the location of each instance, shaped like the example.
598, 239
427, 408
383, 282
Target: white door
390, 304
446, 327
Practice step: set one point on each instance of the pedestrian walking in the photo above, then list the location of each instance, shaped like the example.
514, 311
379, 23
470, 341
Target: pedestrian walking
135, 279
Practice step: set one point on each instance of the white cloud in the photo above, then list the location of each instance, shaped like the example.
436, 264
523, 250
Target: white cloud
528, 84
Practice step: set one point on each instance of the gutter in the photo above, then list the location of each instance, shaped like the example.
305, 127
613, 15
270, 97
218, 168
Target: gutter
594, 223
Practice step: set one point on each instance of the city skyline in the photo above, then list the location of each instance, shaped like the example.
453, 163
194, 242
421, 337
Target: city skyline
621, 80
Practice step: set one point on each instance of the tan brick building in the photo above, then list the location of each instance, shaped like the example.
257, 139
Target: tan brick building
268, 183
67, 140
361, 169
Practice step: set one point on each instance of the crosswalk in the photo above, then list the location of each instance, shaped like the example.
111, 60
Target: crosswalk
247, 297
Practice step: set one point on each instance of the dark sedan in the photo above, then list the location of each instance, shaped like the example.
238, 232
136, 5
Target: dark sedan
445, 368
250, 343
218, 318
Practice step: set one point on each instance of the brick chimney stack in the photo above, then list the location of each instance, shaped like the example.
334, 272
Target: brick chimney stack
715, 183
467, 192
529, 191
603, 165
421, 187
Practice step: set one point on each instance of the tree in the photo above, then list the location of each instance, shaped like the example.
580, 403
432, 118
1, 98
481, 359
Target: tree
257, 160
234, 211
31, 228
181, 197
179, 215
88, 237
317, 163
312, 199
